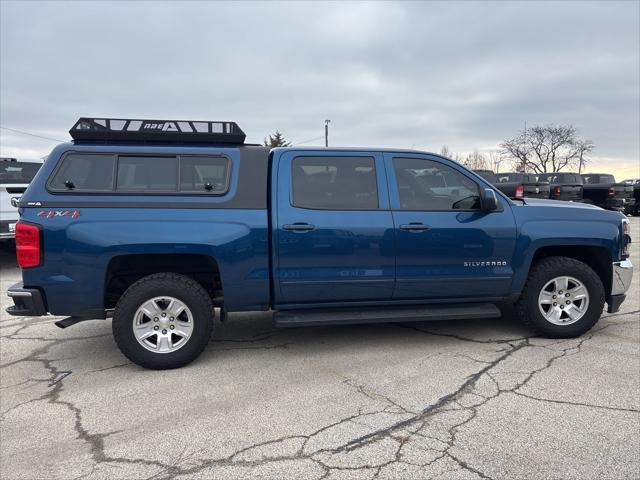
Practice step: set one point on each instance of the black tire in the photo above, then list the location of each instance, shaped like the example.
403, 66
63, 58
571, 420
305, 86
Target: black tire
184, 289
528, 311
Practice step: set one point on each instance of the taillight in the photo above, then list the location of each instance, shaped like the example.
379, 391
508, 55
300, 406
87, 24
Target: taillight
519, 191
28, 245
612, 192
556, 191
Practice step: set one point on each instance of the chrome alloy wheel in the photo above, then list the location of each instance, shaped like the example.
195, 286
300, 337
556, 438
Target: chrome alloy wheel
563, 301
163, 324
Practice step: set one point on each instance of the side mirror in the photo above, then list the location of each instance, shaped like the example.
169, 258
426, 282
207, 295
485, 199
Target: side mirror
489, 200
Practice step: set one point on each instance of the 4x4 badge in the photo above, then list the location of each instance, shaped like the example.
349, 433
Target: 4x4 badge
59, 213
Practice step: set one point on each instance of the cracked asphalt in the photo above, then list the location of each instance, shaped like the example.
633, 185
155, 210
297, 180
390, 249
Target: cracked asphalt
437, 400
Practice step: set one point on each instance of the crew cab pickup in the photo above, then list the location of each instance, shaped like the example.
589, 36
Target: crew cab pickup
521, 185
601, 189
14, 178
516, 185
564, 186
633, 209
162, 225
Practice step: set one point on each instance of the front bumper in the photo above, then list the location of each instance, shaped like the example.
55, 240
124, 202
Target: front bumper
620, 283
27, 302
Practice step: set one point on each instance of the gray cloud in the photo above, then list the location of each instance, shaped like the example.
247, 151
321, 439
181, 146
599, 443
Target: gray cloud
386, 74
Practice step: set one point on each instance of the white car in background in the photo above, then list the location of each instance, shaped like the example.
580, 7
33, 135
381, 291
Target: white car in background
15, 177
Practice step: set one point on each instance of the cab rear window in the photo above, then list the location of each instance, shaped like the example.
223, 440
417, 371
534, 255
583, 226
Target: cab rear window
17, 172
142, 174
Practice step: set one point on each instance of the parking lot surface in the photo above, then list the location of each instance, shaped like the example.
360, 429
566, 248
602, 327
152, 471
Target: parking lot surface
442, 400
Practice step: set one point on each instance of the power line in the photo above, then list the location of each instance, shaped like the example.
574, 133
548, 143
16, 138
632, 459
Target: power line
33, 134
307, 141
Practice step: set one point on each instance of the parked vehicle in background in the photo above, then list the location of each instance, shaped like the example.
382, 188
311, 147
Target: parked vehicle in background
602, 190
157, 223
522, 185
15, 176
488, 175
563, 186
516, 185
635, 208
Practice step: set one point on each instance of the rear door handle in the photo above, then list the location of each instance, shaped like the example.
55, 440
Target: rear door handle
414, 227
299, 227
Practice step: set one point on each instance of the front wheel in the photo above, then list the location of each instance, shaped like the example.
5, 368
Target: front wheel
563, 298
163, 321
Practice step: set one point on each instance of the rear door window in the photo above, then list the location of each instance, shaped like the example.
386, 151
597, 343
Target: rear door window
335, 183
87, 172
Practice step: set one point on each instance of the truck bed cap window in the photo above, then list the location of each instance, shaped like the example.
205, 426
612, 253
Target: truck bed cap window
88, 172
147, 173
171, 174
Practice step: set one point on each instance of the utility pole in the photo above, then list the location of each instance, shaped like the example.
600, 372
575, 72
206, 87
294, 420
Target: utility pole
326, 133
524, 162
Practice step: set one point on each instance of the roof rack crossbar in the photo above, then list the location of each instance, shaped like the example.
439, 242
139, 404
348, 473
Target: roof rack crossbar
161, 131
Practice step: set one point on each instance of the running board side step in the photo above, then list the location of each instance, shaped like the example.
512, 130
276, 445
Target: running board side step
70, 321
421, 313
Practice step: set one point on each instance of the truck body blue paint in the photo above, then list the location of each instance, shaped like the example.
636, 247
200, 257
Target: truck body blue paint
351, 258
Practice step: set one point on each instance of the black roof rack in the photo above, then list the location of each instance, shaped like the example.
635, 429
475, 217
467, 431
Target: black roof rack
162, 131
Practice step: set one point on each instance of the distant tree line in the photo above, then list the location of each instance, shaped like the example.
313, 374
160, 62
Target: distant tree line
539, 149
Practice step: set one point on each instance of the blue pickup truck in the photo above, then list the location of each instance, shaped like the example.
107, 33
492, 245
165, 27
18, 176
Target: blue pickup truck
162, 224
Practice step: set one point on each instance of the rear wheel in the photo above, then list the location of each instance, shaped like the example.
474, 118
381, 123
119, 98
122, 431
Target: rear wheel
562, 298
163, 321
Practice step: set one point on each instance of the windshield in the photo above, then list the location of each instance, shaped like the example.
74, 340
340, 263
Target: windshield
509, 177
567, 178
18, 172
516, 177
598, 178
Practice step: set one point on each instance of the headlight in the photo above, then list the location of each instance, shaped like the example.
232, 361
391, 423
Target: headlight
626, 238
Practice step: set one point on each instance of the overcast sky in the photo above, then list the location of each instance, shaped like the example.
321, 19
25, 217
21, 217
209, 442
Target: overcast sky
387, 74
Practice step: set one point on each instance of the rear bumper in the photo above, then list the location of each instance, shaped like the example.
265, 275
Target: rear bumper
7, 229
27, 302
536, 195
619, 204
620, 283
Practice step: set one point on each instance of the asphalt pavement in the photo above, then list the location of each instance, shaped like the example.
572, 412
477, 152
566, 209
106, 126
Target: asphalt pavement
437, 400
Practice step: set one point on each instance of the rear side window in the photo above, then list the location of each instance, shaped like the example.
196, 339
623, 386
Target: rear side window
335, 183
147, 173
89, 172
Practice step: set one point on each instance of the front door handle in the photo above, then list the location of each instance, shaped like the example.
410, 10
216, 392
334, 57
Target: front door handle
299, 227
414, 227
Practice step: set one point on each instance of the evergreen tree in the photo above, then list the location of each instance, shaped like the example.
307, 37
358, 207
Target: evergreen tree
276, 140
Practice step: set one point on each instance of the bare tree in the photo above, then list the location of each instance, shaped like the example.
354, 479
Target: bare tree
475, 161
548, 148
496, 159
584, 147
445, 152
